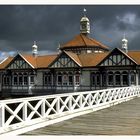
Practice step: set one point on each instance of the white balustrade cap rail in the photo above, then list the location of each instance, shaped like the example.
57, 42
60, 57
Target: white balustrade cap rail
22, 112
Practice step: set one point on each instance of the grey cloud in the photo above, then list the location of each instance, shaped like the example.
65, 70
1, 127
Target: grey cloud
50, 25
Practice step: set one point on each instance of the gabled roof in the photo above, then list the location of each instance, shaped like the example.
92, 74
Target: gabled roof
71, 55
82, 60
45, 61
92, 59
135, 55
30, 59
34, 62
83, 41
74, 57
118, 50
5, 62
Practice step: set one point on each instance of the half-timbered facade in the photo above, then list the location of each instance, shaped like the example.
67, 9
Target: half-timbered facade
81, 64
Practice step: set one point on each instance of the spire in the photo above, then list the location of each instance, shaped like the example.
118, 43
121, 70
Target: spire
59, 46
35, 49
124, 44
84, 12
84, 24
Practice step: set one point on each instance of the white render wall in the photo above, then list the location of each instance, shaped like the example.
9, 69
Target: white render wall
85, 78
39, 78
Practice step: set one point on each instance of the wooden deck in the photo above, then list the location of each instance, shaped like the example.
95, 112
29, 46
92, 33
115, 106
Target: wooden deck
122, 119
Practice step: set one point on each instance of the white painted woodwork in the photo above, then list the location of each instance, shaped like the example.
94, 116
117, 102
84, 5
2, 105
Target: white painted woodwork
34, 110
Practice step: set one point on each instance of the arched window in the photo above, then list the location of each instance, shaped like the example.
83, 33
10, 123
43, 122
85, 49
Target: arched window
77, 78
20, 78
97, 78
47, 78
93, 79
15, 79
65, 79
6, 80
125, 78
117, 78
70, 78
32, 78
104, 77
25, 78
110, 78
133, 78
59, 79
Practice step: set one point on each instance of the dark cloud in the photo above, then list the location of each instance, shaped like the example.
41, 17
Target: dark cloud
50, 25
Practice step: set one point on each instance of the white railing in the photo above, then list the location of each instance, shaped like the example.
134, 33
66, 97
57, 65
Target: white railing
22, 112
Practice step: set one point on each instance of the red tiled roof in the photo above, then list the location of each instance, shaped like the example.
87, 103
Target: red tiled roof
83, 41
5, 62
83, 60
44, 61
92, 59
74, 57
35, 62
40, 61
135, 55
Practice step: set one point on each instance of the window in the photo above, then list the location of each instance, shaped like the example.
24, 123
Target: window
65, 79
6, 80
25, 79
133, 78
20, 79
110, 78
97, 79
104, 79
47, 79
59, 79
117, 78
125, 78
77, 80
70, 80
32, 79
93, 78
15, 80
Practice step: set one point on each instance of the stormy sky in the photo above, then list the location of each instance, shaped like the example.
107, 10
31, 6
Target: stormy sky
50, 25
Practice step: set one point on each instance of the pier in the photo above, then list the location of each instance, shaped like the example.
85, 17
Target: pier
90, 112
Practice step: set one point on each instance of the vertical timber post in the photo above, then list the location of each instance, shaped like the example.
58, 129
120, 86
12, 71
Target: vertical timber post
43, 108
2, 115
25, 114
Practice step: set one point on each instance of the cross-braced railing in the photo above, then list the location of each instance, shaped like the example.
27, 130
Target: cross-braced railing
18, 113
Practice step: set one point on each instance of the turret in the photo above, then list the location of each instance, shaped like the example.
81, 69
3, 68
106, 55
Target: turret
35, 49
84, 24
125, 44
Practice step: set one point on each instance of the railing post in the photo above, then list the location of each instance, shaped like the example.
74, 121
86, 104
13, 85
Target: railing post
80, 102
2, 115
43, 108
25, 111
70, 103
58, 105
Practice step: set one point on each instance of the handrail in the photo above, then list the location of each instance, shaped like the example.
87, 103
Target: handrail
17, 113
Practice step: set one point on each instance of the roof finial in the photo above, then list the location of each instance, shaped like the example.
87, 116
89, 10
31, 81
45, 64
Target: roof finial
34, 42
84, 11
59, 46
34, 49
125, 44
124, 35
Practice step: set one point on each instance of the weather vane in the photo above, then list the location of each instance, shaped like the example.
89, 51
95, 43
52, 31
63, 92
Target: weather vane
84, 11
124, 35
34, 42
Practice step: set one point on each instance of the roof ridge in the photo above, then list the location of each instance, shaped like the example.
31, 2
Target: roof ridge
68, 53
83, 39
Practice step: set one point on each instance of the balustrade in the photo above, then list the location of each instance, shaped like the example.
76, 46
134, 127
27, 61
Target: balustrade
17, 113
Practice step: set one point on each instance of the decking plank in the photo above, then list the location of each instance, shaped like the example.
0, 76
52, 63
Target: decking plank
122, 119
